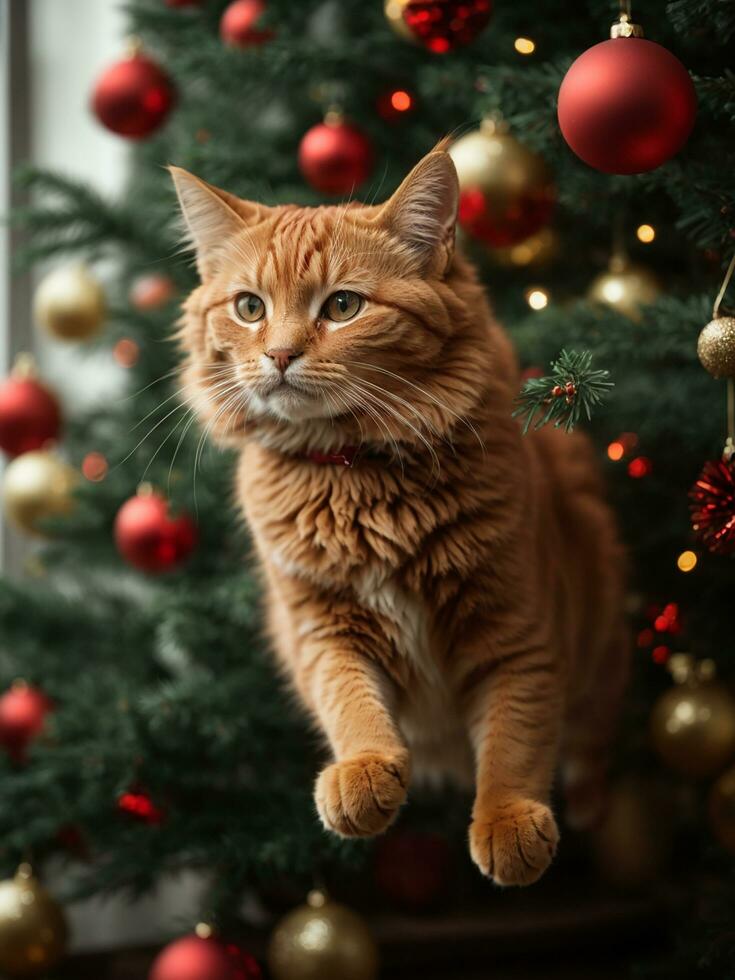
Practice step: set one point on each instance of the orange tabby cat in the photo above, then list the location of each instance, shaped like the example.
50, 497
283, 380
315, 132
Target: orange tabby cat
444, 593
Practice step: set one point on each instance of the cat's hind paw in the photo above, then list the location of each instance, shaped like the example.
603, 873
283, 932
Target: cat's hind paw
514, 843
360, 797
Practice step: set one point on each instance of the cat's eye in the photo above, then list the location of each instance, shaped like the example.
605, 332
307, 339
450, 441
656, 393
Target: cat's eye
342, 305
249, 307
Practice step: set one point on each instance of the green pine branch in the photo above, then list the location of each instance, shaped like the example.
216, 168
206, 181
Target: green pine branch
567, 394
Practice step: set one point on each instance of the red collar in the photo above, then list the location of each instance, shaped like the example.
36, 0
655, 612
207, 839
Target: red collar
346, 456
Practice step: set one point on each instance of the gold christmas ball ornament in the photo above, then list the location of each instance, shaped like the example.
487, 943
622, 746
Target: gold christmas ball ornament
625, 287
70, 303
394, 15
633, 843
506, 190
322, 941
33, 930
37, 485
722, 810
716, 347
693, 723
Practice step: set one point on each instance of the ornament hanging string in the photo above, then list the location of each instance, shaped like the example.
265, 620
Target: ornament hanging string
729, 450
723, 288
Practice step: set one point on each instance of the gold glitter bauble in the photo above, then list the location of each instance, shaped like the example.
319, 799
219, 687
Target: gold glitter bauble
716, 347
722, 810
69, 303
394, 15
32, 927
625, 287
37, 485
632, 844
322, 941
693, 728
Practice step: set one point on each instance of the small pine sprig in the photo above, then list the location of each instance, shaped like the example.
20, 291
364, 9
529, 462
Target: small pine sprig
568, 393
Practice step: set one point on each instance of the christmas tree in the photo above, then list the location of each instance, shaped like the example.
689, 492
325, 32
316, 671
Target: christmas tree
149, 728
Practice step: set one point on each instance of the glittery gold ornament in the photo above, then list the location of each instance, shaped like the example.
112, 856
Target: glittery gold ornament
693, 723
32, 927
716, 347
394, 15
69, 303
322, 941
625, 287
722, 810
37, 485
632, 844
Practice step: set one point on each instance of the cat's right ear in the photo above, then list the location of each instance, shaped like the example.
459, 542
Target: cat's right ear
211, 217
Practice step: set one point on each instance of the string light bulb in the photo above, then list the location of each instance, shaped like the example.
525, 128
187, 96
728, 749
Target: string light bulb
645, 234
537, 298
615, 451
524, 45
687, 561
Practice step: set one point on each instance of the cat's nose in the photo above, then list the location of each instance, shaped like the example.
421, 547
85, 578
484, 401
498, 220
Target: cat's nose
282, 356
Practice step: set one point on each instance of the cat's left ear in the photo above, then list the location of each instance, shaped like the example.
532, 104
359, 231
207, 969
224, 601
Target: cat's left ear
422, 213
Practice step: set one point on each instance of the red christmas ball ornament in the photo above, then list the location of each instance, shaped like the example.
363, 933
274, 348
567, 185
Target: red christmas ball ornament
626, 105
712, 506
204, 958
149, 538
335, 157
441, 25
152, 291
29, 412
238, 27
412, 868
23, 711
133, 97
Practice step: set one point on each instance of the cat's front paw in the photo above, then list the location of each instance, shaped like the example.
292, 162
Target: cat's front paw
514, 842
361, 796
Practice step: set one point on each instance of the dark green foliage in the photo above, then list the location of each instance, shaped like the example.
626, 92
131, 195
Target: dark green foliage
164, 683
566, 395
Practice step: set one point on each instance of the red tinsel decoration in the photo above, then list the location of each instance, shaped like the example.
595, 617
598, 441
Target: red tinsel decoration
712, 506
441, 25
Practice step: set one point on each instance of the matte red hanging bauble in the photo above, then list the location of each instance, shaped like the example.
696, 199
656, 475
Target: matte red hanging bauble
712, 506
23, 711
238, 27
441, 25
195, 958
149, 538
626, 105
335, 157
29, 413
133, 97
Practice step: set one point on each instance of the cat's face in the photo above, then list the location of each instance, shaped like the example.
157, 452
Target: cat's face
317, 313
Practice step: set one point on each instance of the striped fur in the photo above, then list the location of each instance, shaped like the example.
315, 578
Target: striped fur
450, 606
